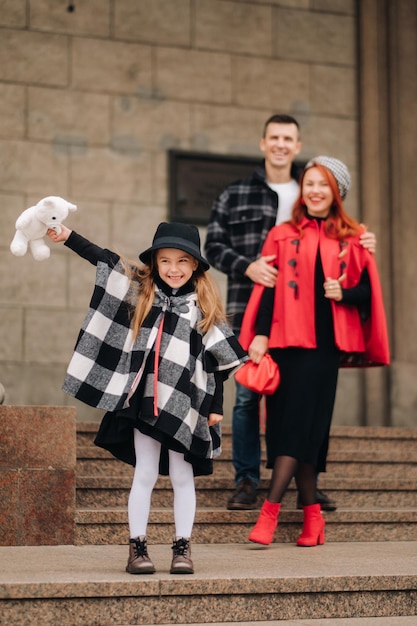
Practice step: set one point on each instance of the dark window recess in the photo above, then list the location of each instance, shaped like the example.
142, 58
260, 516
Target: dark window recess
196, 179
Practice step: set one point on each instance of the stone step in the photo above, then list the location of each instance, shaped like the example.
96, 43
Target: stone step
344, 465
232, 584
113, 491
213, 525
369, 454
335, 621
403, 441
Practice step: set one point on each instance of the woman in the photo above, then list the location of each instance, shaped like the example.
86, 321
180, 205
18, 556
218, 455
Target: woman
325, 309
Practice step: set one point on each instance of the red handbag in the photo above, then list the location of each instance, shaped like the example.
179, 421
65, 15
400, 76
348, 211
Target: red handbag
263, 378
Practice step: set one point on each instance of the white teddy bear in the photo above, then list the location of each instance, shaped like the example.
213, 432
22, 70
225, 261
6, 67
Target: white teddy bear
32, 224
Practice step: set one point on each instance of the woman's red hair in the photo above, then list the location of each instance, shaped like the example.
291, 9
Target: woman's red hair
338, 223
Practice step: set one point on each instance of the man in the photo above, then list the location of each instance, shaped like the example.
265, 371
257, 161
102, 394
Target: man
240, 219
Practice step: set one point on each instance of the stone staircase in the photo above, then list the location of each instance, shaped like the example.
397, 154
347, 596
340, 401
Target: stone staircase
365, 574
372, 475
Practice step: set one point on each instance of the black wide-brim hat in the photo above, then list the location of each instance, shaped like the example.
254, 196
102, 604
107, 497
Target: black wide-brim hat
176, 235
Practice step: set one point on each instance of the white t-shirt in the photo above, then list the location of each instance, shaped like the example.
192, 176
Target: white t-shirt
287, 195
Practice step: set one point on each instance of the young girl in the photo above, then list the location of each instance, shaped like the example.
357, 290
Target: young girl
154, 351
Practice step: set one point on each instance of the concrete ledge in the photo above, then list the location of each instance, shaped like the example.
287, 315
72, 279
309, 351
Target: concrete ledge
88, 584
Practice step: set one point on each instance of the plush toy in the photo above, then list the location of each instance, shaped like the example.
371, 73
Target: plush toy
32, 224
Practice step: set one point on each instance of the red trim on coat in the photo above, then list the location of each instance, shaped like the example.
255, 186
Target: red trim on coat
156, 366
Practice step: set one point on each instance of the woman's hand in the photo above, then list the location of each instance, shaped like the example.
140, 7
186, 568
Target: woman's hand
214, 418
333, 289
258, 348
63, 236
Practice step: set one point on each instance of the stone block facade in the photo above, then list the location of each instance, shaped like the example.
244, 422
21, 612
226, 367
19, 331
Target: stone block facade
90, 103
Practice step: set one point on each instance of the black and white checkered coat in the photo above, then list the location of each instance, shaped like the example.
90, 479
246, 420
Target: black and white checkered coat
107, 365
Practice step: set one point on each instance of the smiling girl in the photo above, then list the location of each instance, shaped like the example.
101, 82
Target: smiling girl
154, 351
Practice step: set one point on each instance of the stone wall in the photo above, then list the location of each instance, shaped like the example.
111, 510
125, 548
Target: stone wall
90, 102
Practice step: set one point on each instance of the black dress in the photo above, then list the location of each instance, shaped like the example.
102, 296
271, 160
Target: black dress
300, 411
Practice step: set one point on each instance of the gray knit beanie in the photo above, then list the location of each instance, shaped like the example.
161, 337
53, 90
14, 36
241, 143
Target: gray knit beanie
337, 168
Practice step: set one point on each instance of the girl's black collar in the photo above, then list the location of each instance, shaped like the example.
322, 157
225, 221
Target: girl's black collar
169, 291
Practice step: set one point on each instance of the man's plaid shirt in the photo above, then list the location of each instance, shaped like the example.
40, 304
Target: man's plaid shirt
240, 220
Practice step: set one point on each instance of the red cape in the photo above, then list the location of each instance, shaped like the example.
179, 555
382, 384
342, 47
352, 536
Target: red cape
363, 342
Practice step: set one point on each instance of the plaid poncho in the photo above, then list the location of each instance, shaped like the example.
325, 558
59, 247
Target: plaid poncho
107, 365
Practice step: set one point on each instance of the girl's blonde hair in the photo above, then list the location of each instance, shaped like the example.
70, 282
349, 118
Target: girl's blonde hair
208, 296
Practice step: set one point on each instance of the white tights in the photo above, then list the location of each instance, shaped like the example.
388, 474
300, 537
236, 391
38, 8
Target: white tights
146, 473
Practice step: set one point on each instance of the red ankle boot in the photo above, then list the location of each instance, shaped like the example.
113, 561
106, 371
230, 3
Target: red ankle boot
313, 527
264, 529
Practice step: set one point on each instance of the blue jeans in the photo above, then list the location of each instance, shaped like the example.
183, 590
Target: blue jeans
246, 443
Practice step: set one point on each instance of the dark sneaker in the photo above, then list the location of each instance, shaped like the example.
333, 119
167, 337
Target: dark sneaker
244, 498
325, 502
139, 561
181, 560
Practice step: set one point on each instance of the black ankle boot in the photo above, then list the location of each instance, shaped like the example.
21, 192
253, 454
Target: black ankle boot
326, 503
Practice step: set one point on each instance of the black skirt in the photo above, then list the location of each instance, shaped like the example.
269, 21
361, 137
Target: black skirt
115, 434
299, 414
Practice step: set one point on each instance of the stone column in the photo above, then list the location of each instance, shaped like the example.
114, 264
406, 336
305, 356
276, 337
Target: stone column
37, 475
388, 112
375, 182
403, 158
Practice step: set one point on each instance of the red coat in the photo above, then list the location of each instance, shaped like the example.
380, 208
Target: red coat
293, 322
